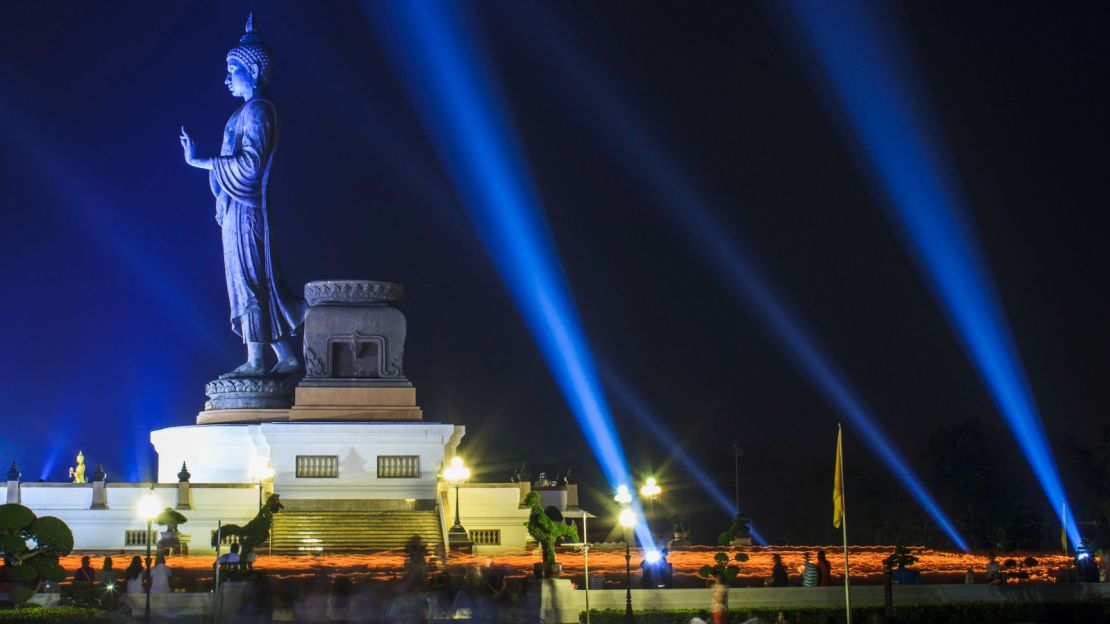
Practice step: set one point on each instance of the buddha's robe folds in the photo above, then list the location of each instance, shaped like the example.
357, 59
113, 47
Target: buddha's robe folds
262, 308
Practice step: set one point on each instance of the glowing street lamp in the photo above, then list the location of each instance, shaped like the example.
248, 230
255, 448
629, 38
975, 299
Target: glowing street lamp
149, 508
455, 474
623, 497
650, 490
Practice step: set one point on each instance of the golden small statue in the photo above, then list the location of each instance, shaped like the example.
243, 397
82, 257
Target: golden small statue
78, 473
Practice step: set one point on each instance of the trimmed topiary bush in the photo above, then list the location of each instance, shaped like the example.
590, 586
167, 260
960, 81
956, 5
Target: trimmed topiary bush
721, 569
546, 531
13, 517
52, 535
255, 532
740, 528
29, 566
170, 518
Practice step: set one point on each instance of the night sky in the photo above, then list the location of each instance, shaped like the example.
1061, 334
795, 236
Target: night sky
115, 310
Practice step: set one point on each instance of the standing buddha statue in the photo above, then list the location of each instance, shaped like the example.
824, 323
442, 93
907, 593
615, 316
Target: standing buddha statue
263, 311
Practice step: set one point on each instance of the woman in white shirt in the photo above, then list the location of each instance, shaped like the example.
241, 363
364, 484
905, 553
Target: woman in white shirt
160, 576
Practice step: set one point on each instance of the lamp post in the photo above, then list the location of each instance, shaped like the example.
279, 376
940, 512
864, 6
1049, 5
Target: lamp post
650, 490
455, 474
584, 547
627, 520
149, 508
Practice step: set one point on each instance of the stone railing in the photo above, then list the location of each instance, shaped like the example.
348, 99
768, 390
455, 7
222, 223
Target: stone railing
317, 467
485, 537
398, 466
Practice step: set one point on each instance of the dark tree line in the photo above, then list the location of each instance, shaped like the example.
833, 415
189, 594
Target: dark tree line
987, 487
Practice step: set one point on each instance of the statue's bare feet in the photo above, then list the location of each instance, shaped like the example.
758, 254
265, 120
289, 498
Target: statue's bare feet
287, 366
248, 369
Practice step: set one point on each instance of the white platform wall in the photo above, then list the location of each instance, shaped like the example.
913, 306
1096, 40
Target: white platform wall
226, 454
220, 459
494, 506
105, 529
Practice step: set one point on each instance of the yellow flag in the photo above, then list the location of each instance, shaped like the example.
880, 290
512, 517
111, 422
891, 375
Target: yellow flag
838, 485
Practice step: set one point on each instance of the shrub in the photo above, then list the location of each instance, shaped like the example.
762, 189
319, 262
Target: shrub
28, 566
13, 517
721, 570
170, 518
901, 556
54, 615
83, 595
545, 530
740, 527
20, 594
52, 536
257, 530
1076, 611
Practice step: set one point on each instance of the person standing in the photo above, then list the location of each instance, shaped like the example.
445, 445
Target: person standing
810, 575
718, 593
824, 570
994, 570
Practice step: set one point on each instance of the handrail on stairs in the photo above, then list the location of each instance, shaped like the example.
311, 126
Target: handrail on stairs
441, 510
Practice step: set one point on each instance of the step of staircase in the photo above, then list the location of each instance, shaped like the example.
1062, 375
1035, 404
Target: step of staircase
304, 532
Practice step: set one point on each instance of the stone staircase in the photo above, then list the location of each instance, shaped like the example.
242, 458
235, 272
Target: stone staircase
307, 532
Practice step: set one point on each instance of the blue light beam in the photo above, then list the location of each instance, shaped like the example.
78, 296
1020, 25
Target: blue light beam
689, 212
440, 61
627, 399
872, 89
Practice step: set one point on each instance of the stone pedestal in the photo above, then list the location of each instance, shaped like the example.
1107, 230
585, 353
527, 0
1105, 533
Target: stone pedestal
248, 393
354, 333
354, 344
169, 543
459, 540
355, 402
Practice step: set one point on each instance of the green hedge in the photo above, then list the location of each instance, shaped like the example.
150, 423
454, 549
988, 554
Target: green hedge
54, 615
1077, 612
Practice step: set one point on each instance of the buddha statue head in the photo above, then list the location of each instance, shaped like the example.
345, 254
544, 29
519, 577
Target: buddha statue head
248, 64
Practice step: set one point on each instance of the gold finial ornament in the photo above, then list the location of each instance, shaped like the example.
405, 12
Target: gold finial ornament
78, 473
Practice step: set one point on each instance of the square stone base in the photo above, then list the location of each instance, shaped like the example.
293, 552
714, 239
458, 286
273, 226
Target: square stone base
355, 403
360, 403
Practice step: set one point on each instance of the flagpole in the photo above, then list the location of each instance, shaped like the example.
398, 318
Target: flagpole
844, 524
